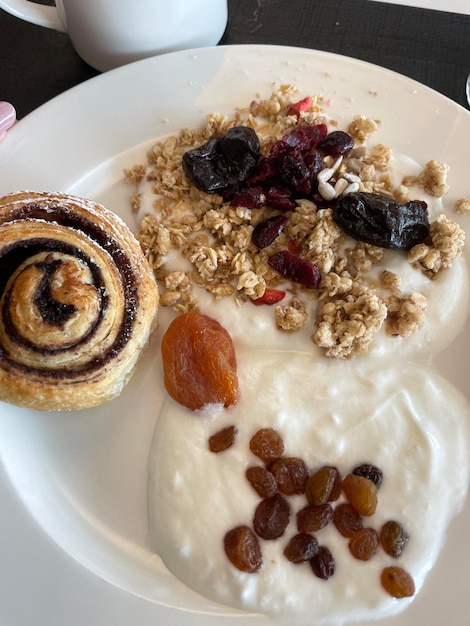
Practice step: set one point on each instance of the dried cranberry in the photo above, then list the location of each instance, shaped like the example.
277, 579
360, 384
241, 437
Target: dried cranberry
249, 197
271, 517
295, 172
270, 296
303, 138
280, 198
296, 269
337, 143
266, 232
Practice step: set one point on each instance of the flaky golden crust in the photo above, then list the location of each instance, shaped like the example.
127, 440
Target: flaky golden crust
78, 302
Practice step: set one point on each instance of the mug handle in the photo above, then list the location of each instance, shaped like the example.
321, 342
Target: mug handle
35, 13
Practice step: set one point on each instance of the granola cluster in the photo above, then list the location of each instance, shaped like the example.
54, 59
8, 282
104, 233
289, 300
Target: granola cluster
354, 301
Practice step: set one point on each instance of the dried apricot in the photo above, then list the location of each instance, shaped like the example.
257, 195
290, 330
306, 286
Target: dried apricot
223, 439
361, 493
199, 362
346, 519
397, 582
393, 538
267, 444
364, 543
243, 550
324, 485
290, 474
302, 547
262, 481
272, 517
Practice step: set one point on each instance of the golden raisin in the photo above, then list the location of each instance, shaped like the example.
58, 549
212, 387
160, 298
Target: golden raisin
302, 547
243, 550
393, 538
267, 444
199, 362
223, 439
364, 543
397, 582
324, 485
290, 474
262, 481
346, 519
361, 494
314, 517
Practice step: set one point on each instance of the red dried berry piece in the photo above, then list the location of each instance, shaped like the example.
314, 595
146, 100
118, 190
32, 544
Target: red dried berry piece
372, 472
364, 543
290, 474
243, 550
337, 143
272, 517
324, 485
323, 563
296, 108
267, 444
296, 269
266, 232
361, 494
314, 517
262, 481
295, 172
302, 137
249, 197
302, 547
280, 198
270, 296
223, 439
346, 519
265, 170
397, 582
393, 538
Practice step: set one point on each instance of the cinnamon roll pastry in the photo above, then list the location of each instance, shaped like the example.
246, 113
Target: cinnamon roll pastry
78, 302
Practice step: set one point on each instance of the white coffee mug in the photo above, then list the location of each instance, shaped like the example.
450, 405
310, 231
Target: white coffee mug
110, 33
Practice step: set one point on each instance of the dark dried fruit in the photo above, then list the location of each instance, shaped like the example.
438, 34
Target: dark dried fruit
266, 232
371, 472
380, 220
262, 481
223, 439
296, 269
223, 161
346, 519
280, 198
267, 444
302, 138
302, 547
397, 582
290, 474
393, 538
270, 296
314, 517
323, 563
272, 517
364, 544
243, 550
295, 172
337, 143
249, 197
324, 485
361, 493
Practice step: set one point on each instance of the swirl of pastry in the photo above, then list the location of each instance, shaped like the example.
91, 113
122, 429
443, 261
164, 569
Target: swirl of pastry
78, 301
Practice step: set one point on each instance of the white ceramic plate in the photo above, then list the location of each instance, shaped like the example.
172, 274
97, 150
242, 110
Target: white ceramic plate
73, 487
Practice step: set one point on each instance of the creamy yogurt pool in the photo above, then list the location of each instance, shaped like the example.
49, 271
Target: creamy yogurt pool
399, 416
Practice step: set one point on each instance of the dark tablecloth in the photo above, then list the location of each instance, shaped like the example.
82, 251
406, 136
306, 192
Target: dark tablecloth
432, 47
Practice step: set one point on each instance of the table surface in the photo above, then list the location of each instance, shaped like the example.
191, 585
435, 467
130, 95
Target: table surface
431, 46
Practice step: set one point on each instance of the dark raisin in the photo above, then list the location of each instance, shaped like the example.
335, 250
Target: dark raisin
262, 481
381, 221
266, 232
314, 517
290, 474
371, 472
267, 444
324, 485
397, 582
296, 269
393, 538
337, 143
223, 439
364, 543
272, 517
323, 563
346, 519
243, 550
302, 547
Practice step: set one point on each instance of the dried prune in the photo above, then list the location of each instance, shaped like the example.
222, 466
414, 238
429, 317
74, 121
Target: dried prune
267, 444
262, 481
222, 161
314, 517
272, 517
346, 519
361, 493
393, 538
199, 362
323, 563
223, 439
290, 474
372, 472
243, 550
337, 143
324, 485
264, 233
295, 268
397, 582
302, 547
364, 543
381, 221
